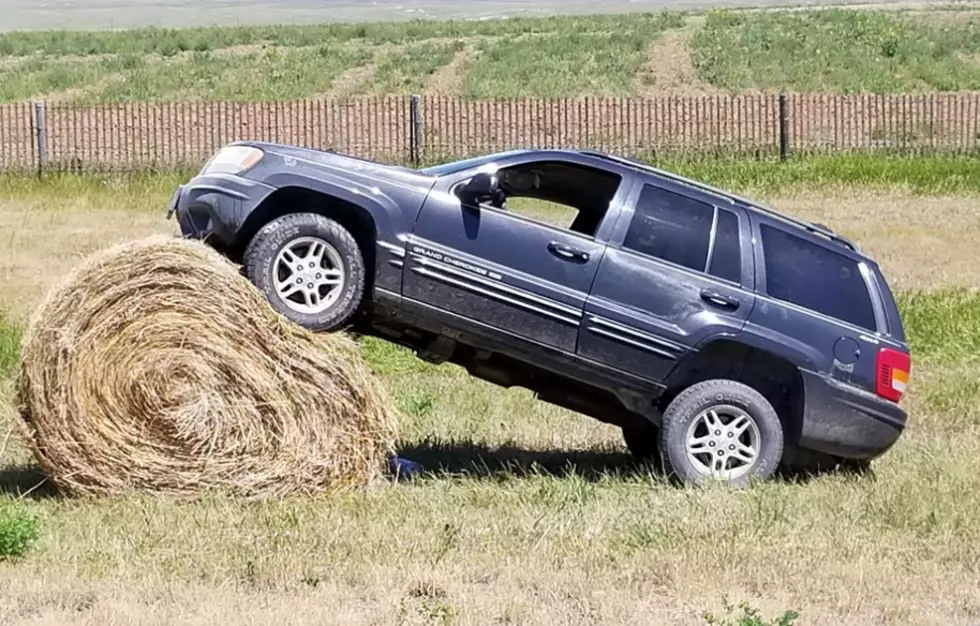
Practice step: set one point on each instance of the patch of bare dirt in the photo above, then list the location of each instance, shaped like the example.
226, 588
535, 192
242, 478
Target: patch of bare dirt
353, 81
448, 80
9, 62
970, 59
669, 70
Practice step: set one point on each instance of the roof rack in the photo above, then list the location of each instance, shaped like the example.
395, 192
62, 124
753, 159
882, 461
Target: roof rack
819, 229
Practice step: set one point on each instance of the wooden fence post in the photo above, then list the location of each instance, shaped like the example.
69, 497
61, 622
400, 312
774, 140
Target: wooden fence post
41, 133
416, 130
783, 126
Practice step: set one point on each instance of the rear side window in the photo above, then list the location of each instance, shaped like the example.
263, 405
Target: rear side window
815, 277
671, 227
726, 260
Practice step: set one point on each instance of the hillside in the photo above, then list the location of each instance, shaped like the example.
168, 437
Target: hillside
617, 55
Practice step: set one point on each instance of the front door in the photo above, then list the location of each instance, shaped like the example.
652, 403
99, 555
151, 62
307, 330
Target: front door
676, 279
491, 266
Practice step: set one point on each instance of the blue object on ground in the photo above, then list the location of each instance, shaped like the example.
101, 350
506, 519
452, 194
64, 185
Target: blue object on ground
403, 468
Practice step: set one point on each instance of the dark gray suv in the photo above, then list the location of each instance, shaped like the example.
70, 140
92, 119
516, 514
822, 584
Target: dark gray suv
723, 337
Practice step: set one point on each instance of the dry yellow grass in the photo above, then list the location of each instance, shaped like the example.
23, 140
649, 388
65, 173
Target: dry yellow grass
539, 518
44, 235
669, 70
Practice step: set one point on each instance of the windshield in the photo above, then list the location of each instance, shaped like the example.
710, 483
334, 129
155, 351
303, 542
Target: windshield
458, 166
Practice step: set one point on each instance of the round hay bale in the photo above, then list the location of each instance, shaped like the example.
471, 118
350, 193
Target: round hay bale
157, 366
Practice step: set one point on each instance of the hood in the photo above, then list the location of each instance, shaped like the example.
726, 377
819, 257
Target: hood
350, 166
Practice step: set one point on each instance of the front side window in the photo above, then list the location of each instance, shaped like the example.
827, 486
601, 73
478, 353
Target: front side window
815, 277
564, 195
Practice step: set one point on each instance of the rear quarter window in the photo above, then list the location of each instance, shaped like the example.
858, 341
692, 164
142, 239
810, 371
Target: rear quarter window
815, 277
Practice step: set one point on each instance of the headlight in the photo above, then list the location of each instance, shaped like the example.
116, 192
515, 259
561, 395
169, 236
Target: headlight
232, 160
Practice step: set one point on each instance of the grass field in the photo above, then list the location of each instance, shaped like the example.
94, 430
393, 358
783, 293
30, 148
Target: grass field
842, 51
531, 514
621, 55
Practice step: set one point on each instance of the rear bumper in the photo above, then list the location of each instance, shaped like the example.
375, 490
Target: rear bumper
216, 207
844, 421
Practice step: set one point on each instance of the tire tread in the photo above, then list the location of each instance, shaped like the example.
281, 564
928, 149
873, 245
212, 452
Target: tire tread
680, 408
257, 249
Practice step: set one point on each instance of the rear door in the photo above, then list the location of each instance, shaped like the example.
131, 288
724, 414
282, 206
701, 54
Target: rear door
676, 271
502, 270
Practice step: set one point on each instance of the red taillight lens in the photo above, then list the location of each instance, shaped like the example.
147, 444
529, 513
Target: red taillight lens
894, 367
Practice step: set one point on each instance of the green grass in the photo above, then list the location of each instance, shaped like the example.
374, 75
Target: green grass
129, 189
167, 42
934, 175
943, 326
565, 64
837, 50
39, 75
954, 389
937, 175
10, 334
824, 50
271, 74
747, 615
18, 529
527, 56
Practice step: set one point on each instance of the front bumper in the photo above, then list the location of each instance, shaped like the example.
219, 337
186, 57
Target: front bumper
844, 421
216, 206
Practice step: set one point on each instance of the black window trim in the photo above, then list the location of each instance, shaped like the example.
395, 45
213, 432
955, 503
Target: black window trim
711, 248
711, 239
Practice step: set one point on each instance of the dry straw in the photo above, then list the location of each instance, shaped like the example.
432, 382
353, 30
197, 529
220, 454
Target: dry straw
157, 366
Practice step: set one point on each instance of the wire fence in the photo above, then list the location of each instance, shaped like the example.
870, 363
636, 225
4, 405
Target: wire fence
415, 129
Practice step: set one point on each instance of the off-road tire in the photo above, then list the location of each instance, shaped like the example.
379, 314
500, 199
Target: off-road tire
687, 406
259, 262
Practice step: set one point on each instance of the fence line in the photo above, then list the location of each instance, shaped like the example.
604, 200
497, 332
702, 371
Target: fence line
62, 136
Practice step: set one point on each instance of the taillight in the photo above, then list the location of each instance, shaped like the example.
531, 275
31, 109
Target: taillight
894, 367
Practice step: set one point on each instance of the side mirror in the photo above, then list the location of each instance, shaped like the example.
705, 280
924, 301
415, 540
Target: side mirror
482, 186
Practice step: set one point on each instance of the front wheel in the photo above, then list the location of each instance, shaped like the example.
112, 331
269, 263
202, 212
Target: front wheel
309, 268
721, 430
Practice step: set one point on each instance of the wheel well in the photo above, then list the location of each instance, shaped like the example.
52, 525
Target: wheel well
776, 378
354, 218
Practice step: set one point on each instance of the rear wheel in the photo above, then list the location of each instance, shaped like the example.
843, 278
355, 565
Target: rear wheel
721, 430
310, 269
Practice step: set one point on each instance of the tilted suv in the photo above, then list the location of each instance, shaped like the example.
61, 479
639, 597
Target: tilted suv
722, 336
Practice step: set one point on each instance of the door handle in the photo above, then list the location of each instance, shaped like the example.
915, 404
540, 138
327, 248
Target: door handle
568, 252
719, 299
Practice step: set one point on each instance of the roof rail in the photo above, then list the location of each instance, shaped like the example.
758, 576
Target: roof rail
819, 229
